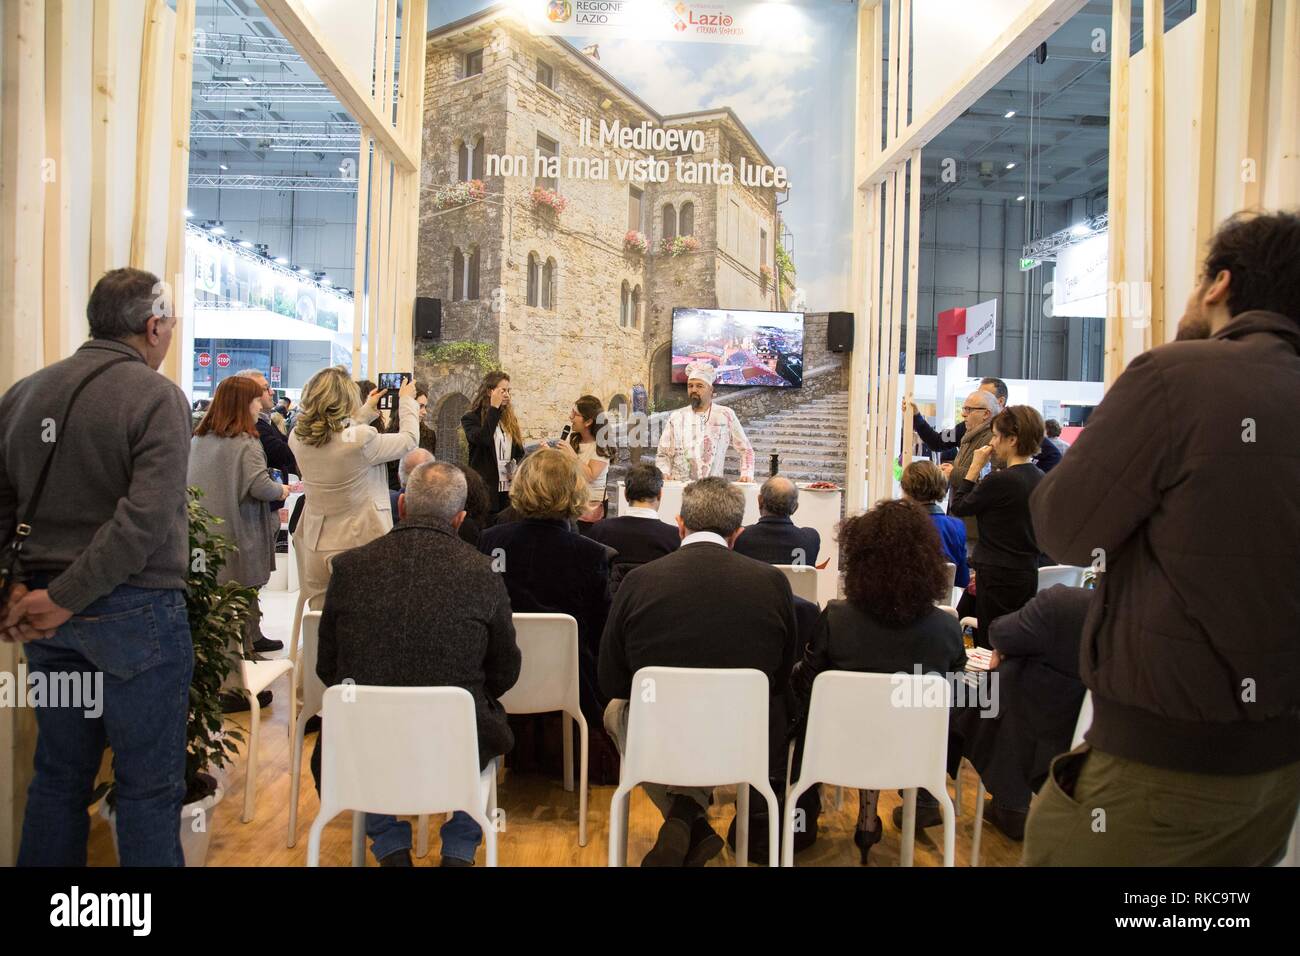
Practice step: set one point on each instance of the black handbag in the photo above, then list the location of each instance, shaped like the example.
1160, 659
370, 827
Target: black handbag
10, 558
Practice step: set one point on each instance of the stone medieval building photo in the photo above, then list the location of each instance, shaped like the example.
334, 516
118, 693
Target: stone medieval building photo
565, 278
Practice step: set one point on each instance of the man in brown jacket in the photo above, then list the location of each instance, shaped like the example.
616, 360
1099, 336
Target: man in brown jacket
1184, 484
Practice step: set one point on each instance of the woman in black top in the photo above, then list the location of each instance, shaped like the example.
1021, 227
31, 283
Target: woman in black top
496, 445
893, 573
1006, 554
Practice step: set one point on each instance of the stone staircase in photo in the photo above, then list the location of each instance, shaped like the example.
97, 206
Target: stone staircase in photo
811, 438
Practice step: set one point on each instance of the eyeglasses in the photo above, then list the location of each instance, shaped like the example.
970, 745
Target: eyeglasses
968, 409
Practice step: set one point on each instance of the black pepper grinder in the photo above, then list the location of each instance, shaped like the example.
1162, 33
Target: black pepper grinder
774, 465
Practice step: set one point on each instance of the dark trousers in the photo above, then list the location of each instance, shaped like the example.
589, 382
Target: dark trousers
1000, 591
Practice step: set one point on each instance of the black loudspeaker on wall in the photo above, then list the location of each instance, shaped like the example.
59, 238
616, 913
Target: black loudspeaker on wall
839, 331
427, 324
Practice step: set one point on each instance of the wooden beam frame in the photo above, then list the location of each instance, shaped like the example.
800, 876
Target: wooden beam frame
144, 129
361, 247
57, 290
1205, 121
291, 18
1121, 26
913, 298
1035, 25
103, 204
1254, 99
1289, 163
1153, 36
178, 173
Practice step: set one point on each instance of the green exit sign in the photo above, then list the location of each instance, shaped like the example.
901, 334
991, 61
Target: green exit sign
1027, 264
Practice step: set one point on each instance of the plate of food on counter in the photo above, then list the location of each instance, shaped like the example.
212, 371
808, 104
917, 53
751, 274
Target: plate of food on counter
819, 486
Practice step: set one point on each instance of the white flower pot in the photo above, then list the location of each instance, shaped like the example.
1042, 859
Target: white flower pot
196, 827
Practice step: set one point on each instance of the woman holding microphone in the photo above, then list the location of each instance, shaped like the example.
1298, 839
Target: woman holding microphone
496, 445
345, 478
590, 452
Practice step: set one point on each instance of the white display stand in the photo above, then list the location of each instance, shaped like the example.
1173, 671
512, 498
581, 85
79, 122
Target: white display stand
817, 509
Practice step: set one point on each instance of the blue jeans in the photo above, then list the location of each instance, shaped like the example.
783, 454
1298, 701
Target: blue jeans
139, 640
460, 835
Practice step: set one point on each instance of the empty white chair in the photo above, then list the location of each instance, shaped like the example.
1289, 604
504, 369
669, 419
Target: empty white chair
892, 746
1080, 728
299, 606
255, 677
548, 681
1067, 574
313, 694
697, 727
802, 578
401, 751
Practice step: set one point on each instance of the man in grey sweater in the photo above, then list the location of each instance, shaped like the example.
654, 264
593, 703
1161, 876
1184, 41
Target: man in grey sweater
102, 603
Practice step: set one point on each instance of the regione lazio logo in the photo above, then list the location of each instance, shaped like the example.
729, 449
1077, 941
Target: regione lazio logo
559, 11
679, 21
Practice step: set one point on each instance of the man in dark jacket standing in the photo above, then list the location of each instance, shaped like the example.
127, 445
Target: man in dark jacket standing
448, 625
701, 606
1190, 648
775, 539
103, 605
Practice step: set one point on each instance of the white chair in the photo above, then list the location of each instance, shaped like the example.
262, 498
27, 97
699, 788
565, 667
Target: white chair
299, 606
313, 695
1080, 728
803, 580
255, 677
548, 681
1067, 574
697, 727
903, 747
402, 751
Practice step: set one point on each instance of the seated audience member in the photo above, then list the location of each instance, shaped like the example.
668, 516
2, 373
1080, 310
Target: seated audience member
893, 571
775, 539
1053, 430
1199, 602
410, 461
924, 482
1036, 653
637, 534
1006, 554
478, 505
450, 626
551, 569
702, 606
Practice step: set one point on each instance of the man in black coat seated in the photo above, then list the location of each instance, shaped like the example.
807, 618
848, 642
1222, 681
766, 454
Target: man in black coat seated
702, 606
1036, 654
775, 539
637, 534
448, 625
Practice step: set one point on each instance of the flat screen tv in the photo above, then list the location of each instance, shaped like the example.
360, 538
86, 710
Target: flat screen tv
745, 347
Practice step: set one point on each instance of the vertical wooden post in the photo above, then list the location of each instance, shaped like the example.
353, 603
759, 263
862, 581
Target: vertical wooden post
913, 293
58, 193
1118, 305
1153, 33
1289, 166
144, 128
178, 174
1206, 123
103, 193
360, 247
1254, 101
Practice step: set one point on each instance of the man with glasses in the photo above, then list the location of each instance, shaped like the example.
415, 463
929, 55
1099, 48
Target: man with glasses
1048, 457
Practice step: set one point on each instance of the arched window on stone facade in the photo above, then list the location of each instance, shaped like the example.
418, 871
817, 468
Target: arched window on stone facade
636, 307
471, 273
533, 280
469, 159
670, 221
457, 275
686, 220
548, 285
625, 305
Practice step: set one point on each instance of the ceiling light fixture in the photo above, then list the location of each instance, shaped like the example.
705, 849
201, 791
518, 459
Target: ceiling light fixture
281, 260
1011, 165
1020, 199
224, 167
189, 213
245, 243
1082, 229
1008, 114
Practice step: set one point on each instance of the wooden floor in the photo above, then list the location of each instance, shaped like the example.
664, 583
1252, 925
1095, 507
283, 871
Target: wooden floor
541, 818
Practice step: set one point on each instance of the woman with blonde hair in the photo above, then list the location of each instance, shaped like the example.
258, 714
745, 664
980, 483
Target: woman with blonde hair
345, 481
496, 444
550, 568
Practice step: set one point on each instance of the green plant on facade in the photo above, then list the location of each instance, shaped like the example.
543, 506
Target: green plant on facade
478, 354
785, 263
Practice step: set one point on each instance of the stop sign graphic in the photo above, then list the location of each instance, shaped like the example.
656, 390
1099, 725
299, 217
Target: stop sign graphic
204, 360
223, 360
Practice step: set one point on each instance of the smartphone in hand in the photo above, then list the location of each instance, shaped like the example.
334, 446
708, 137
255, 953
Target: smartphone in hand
392, 381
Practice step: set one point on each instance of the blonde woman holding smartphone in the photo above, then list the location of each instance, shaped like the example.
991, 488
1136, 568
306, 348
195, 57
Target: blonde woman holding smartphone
345, 478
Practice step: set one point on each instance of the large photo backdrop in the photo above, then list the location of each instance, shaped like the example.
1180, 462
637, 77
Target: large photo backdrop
591, 165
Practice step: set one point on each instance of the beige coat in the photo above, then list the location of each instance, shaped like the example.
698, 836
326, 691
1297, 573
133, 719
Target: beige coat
346, 487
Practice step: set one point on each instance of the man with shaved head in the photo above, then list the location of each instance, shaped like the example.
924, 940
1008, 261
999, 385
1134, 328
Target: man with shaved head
775, 539
412, 460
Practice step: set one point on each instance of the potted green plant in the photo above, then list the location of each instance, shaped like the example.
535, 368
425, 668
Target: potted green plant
216, 613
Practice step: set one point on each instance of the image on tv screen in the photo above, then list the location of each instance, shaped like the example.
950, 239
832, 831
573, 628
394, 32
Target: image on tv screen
745, 347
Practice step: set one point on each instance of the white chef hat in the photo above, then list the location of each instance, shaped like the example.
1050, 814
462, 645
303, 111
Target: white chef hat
703, 371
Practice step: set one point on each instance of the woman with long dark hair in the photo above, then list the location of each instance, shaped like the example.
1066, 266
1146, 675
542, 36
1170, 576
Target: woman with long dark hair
588, 445
893, 573
496, 444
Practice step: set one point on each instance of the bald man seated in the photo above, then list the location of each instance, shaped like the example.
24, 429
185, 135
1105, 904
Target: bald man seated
412, 460
775, 539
